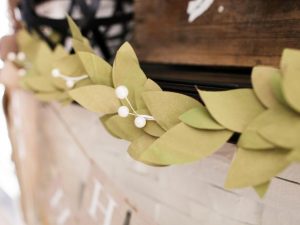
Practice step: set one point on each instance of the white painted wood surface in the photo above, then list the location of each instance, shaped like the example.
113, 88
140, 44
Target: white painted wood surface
188, 194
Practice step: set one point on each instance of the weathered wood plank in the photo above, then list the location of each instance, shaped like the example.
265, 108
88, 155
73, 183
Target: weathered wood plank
244, 34
189, 194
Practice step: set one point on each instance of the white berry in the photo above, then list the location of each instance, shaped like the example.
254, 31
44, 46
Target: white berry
21, 56
21, 72
123, 111
55, 73
140, 122
70, 83
121, 92
11, 56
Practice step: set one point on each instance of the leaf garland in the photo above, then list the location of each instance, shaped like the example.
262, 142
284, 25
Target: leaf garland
178, 128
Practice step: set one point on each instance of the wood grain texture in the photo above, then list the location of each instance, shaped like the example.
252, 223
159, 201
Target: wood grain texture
190, 194
246, 33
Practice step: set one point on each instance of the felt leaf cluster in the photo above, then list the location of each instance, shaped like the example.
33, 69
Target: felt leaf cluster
270, 142
167, 128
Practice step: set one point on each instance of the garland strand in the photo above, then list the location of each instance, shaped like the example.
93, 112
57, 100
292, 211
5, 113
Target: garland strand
167, 128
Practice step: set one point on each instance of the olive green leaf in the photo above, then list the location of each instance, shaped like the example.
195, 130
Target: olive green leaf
44, 57
123, 127
52, 96
284, 131
166, 107
40, 83
28, 44
75, 31
152, 127
66, 101
276, 82
84, 82
98, 70
70, 65
262, 84
199, 117
289, 59
261, 189
149, 85
182, 144
59, 52
290, 87
294, 155
104, 119
139, 145
80, 46
252, 168
96, 98
24, 39
233, 109
127, 72
251, 138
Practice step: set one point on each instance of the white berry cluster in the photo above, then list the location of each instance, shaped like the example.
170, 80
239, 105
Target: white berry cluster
70, 81
140, 121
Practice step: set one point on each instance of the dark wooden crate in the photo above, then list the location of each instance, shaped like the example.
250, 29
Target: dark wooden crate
245, 34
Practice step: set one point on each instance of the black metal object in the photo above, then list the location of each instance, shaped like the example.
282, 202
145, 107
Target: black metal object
96, 29
185, 78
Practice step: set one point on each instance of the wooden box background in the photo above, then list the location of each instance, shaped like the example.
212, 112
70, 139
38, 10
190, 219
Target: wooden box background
246, 33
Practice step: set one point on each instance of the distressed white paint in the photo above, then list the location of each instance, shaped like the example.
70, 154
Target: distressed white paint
63, 217
57, 196
197, 7
96, 204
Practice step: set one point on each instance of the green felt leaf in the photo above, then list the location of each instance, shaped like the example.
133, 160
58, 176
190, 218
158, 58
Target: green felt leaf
124, 127
261, 189
43, 60
182, 144
152, 127
200, 118
104, 120
251, 139
66, 102
84, 82
233, 109
40, 83
98, 70
149, 85
127, 72
166, 107
252, 168
289, 59
28, 44
139, 145
284, 131
290, 87
96, 98
75, 31
24, 39
59, 52
59, 83
262, 84
294, 155
80, 46
276, 83
70, 66
53, 96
